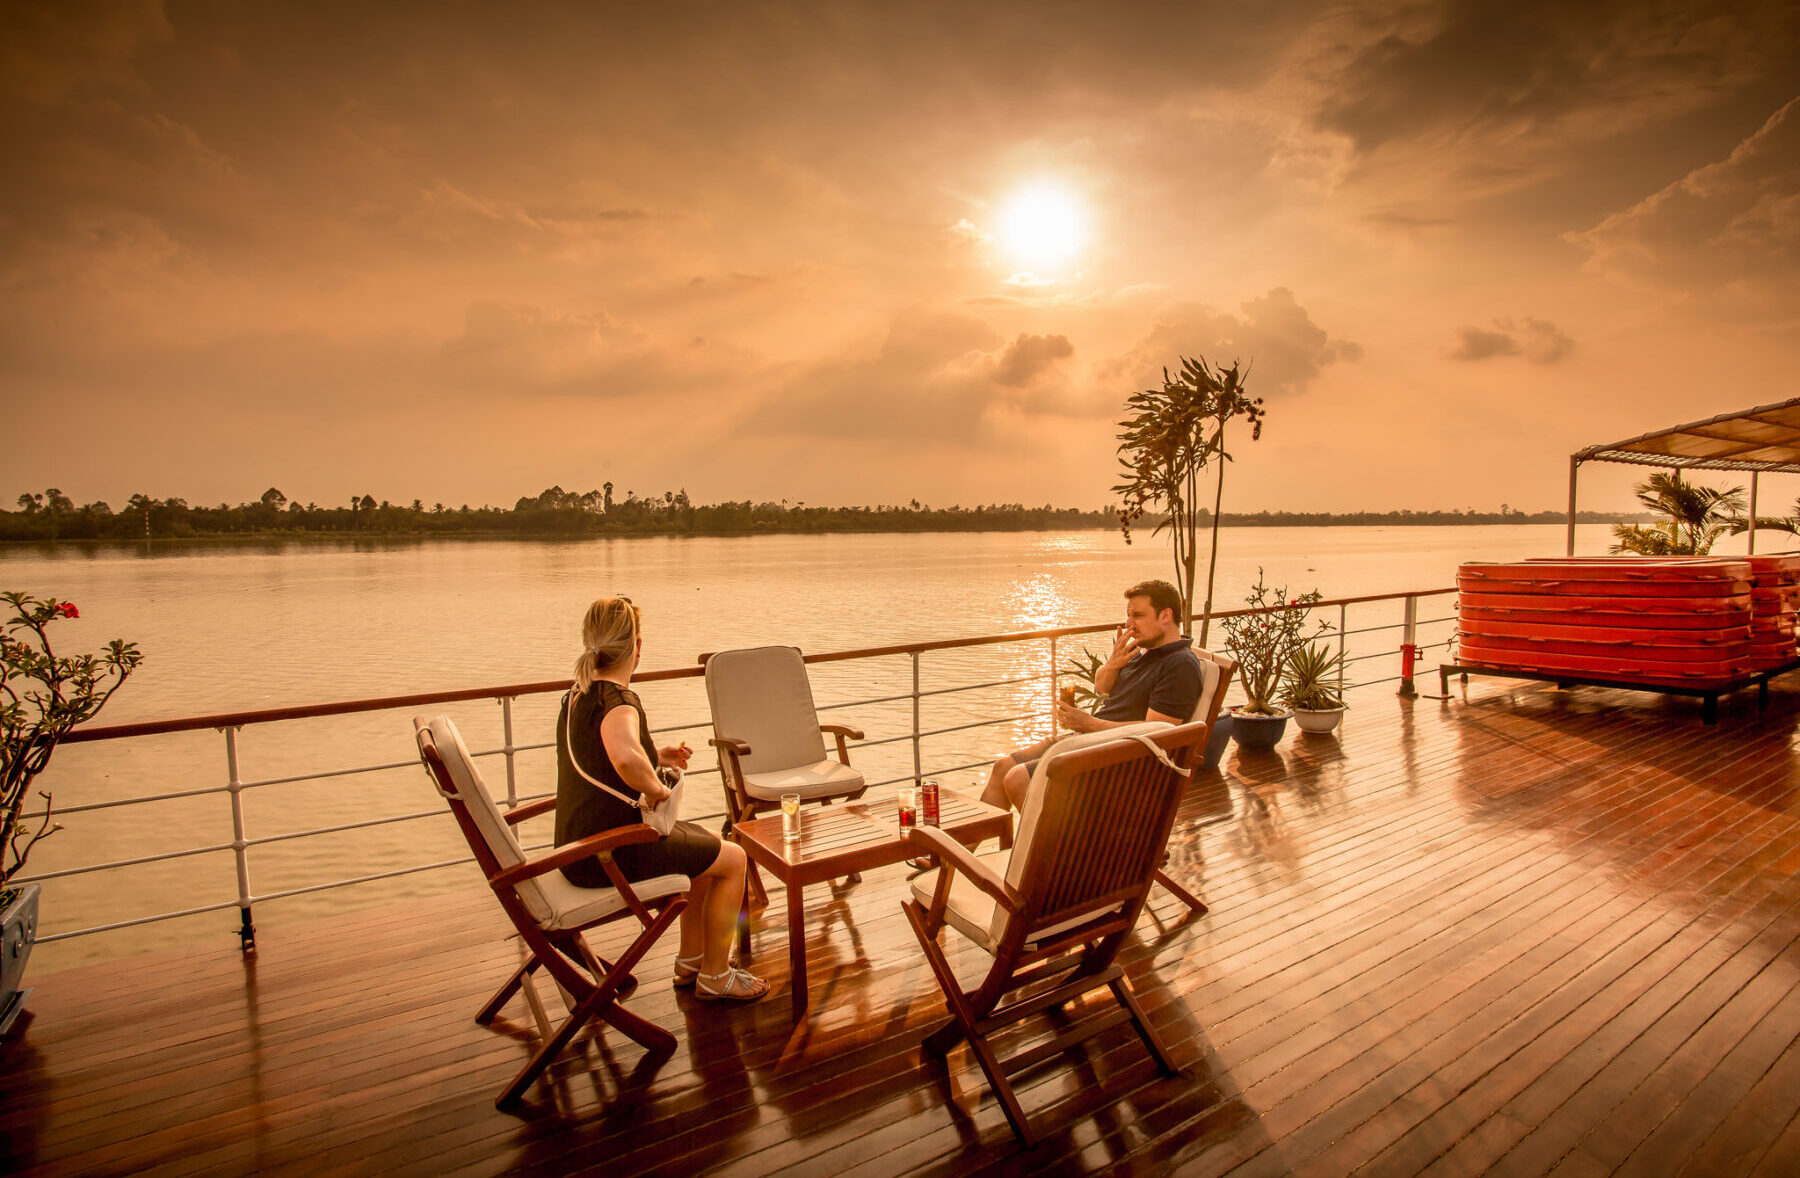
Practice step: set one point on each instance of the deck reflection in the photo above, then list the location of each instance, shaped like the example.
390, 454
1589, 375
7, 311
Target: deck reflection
1525, 929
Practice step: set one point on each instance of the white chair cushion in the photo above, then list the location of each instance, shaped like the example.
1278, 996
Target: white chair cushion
821, 779
971, 911
1210, 674
1034, 795
762, 696
573, 907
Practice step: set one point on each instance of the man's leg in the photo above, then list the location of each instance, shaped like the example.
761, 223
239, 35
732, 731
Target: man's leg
1001, 791
997, 792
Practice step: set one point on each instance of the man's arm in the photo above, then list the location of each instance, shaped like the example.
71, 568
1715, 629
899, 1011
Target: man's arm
1077, 720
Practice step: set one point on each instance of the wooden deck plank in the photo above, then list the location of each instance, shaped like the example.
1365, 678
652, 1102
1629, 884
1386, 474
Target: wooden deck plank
1534, 930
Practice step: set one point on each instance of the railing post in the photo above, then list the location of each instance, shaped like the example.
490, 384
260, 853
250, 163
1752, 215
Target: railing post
1343, 651
918, 771
240, 846
1053, 696
1409, 647
512, 783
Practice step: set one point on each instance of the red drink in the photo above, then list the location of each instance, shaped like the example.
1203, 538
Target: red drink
931, 803
909, 811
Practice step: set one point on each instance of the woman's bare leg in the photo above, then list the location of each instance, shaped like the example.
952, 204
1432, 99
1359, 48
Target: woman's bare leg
712, 910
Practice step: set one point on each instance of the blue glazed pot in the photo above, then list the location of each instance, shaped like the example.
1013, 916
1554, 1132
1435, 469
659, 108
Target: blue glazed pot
1253, 731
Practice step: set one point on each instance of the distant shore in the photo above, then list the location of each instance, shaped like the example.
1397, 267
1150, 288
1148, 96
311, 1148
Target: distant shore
390, 523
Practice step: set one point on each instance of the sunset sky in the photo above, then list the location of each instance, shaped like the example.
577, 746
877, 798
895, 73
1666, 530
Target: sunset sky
862, 253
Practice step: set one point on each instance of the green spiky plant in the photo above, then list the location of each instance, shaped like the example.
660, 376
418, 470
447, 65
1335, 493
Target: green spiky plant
1309, 681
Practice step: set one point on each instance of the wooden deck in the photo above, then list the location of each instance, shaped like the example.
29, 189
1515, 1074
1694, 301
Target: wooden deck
1532, 932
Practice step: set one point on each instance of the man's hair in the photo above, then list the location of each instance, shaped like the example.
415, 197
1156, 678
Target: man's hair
1162, 596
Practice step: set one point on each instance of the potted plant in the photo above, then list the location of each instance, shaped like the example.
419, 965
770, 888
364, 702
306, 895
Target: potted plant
42, 696
1263, 639
1309, 688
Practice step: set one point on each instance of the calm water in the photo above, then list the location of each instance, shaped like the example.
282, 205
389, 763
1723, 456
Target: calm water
228, 627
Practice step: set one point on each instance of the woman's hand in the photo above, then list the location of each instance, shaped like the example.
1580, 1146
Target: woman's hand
655, 792
675, 756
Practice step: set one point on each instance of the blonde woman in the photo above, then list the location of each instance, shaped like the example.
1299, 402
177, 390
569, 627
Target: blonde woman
602, 729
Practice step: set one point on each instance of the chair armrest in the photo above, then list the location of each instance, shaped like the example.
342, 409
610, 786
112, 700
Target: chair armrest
955, 855
730, 744
594, 844
519, 814
841, 731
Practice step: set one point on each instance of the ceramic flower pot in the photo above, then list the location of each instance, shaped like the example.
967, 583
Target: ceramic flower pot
18, 932
1318, 719
1254, 731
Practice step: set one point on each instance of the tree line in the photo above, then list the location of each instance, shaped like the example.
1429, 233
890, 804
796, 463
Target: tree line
52, 515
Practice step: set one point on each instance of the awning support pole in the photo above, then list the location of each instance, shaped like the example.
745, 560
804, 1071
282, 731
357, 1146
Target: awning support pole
1574, 465
1753, 475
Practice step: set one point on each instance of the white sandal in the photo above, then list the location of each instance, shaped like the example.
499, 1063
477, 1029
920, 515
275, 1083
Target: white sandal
686, 970
735, 985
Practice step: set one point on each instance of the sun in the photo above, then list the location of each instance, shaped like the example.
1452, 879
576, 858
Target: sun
1042, 227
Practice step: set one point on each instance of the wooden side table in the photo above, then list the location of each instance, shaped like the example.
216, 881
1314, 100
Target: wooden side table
837, 840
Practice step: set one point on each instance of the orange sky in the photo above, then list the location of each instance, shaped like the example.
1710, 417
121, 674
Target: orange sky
461, 252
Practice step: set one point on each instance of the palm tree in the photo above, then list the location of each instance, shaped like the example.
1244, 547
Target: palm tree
1693, 517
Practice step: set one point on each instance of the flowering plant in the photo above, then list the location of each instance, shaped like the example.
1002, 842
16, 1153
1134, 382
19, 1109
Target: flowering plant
42, 696
1263, 638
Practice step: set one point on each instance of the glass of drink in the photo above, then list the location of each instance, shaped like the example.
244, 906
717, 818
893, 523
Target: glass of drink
909, 808
1068, 694
790, 818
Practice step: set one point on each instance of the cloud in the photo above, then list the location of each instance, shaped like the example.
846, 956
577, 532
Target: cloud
1028, 356
938, 376
506, 345
1027, 279
1732, 224
968, 232
1538, 340
1475, 344
1518, 70
1276, 339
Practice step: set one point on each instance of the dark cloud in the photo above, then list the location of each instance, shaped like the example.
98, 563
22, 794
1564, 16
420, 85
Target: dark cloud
1275, 339
1538, 340
1508, 71
1028, 356
937, 376
1729, 227
1473, 343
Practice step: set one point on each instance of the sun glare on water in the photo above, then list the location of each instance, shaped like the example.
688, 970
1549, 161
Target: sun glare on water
1041, 227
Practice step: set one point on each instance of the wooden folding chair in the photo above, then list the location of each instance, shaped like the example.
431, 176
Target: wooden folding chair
1060, 903
548, 911
769, 739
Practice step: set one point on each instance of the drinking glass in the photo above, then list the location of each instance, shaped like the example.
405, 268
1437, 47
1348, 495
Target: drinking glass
790, 818
909, 808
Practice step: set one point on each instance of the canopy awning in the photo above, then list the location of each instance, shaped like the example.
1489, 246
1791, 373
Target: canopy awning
1766, 438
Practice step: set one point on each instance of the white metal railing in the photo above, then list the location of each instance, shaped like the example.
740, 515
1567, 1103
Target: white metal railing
241, 845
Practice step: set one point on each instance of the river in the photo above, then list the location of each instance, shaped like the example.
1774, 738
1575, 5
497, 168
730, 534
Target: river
231, 626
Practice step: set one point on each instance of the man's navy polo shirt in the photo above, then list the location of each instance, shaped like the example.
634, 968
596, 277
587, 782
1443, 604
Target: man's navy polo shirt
1164, 679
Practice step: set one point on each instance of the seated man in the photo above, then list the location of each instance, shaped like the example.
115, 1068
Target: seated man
1152, 674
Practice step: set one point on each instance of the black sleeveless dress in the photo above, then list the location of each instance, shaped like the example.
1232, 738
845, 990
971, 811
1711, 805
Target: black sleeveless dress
583, 809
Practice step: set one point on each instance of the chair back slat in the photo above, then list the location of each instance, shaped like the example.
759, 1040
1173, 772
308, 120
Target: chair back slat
471, 793
763, 697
